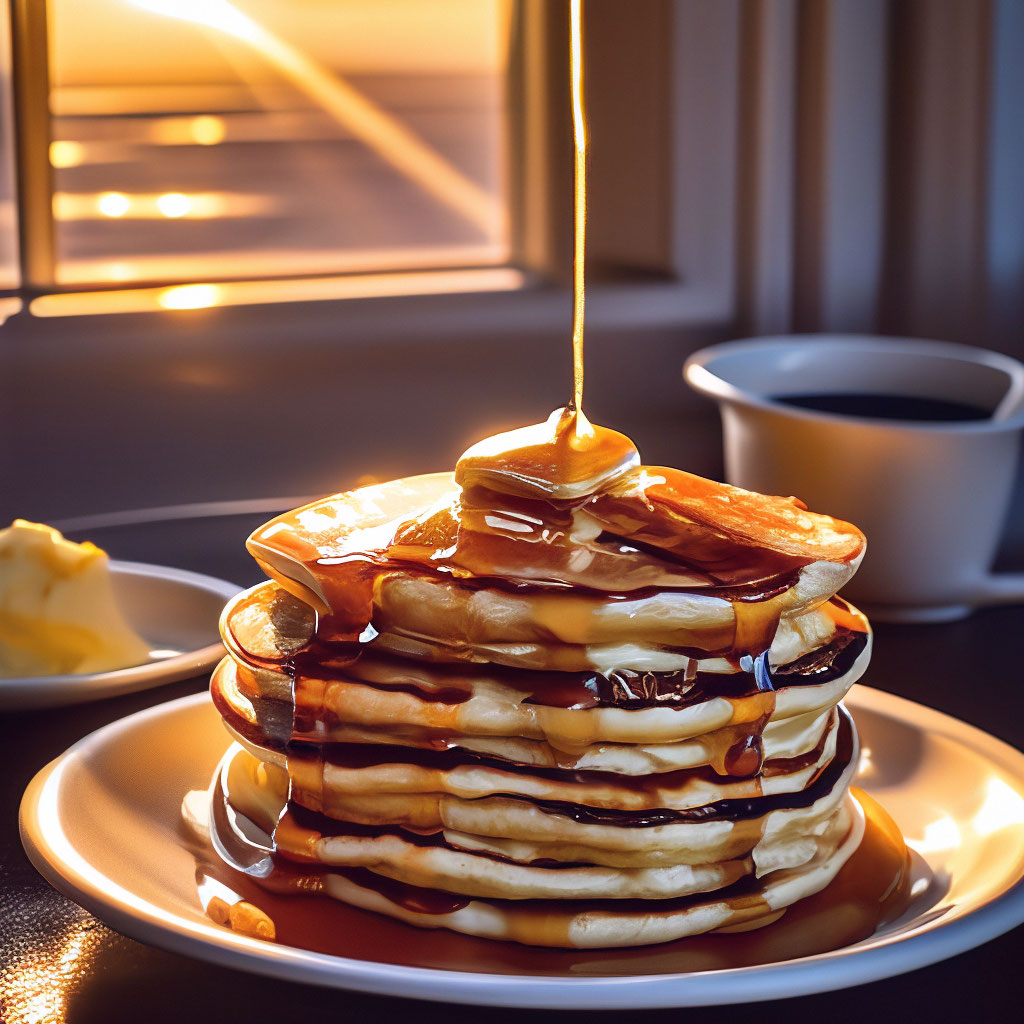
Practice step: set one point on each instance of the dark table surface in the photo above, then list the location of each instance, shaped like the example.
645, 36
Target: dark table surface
58, 963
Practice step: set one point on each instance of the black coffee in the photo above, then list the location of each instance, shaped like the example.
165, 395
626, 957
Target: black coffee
889, 407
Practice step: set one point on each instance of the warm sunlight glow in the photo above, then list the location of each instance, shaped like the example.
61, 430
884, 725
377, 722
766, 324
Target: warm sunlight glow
190, 296
33, 988
310, 289
8, 307
387, 136
939, 835
65, 153
920, 885
113, 204
175, 130
217, 14
865, 766
120, 272
1002, 808
68, 206
208, 130
174, 204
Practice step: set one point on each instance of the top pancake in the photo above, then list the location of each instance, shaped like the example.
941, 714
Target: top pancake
659, 558
668, 511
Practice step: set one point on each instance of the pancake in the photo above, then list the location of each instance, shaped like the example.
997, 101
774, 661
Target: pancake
555, 697
444, 608
399, 693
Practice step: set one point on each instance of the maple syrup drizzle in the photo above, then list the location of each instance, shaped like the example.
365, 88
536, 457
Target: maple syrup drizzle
579, 136
357, 756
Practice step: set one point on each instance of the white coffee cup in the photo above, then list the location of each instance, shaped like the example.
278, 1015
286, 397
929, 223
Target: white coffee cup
931, 497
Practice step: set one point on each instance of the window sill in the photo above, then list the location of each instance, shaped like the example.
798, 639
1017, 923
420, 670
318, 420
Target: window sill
484, 302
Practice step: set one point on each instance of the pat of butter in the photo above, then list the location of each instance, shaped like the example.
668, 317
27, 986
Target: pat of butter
57, 608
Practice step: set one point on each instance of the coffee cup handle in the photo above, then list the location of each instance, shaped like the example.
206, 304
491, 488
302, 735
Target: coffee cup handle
1000, 588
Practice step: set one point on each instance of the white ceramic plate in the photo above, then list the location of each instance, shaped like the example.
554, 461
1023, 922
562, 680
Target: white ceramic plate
102, 824
174, 610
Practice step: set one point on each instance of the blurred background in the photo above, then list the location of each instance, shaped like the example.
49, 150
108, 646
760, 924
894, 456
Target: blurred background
273, 248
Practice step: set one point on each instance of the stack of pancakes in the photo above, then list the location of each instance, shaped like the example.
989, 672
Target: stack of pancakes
558, 698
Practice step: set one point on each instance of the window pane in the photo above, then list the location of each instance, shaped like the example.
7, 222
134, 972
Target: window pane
9, 276
198, 139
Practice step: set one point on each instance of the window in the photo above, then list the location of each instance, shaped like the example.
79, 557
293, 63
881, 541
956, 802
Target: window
213, 146
212, 139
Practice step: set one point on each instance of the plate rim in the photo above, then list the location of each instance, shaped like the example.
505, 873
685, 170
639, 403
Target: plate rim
822, 972
90, 686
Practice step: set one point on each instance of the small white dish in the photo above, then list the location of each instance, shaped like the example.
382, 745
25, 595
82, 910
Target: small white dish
103, 824
174, 610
